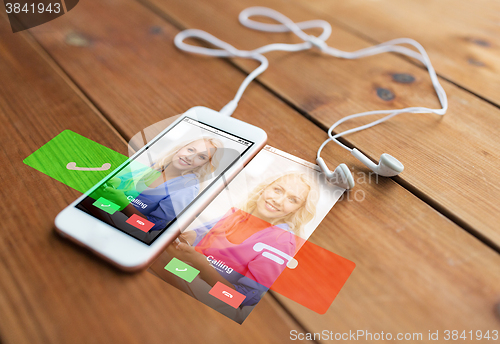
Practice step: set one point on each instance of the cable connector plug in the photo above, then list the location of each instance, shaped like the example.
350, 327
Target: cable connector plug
229, 108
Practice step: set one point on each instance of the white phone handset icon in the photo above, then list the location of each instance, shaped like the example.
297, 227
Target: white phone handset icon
227, 294
291, 262
72, 166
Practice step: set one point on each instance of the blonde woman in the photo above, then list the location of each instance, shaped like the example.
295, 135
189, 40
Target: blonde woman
273, 216
160, 192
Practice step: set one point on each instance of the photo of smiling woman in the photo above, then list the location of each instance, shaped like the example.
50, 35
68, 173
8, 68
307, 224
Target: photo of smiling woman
272, 217
159, 192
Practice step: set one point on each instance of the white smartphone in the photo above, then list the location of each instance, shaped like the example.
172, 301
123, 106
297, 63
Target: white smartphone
130, 216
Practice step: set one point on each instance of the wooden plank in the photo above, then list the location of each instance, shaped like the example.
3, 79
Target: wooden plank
450, 161
461, 37
414, 267
51, 291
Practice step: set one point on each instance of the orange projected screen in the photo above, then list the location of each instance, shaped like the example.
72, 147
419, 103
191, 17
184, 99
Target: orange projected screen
317, 279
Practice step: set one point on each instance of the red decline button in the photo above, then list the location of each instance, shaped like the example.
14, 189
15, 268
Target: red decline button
140, 222
227, 294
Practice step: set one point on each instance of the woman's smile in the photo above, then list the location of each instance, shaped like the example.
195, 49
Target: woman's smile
271, 207
184, 162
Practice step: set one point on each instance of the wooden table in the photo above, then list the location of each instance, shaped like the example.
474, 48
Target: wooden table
426, 244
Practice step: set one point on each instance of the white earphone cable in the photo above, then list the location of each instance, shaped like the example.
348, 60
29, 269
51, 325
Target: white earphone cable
287, 25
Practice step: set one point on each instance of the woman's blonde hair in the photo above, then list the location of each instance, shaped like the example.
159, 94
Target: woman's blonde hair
300, 217
201, 172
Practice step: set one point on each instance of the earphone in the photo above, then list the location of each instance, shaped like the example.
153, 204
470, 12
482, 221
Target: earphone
388, 166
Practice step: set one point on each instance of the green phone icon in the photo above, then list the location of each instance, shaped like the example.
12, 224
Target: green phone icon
106, 205
182, 270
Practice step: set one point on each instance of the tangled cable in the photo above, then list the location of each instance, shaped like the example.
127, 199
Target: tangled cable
319, 42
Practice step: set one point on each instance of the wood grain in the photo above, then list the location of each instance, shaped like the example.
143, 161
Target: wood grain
51, 291
461, 37
415, 268
451, 161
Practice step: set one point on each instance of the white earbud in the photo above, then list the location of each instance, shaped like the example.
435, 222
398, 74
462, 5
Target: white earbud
388, 165
341, 176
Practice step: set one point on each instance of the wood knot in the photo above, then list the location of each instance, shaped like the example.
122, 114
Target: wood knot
385, 94
480, 42
76, 39
155, 30
475, 62
403, 78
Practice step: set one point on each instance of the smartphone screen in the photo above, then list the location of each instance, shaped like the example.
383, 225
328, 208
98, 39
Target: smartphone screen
147, 195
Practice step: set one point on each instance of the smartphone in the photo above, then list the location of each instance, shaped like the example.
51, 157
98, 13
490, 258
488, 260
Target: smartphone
130, 216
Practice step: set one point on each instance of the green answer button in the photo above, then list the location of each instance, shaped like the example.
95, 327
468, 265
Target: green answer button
182, 270
106, 205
